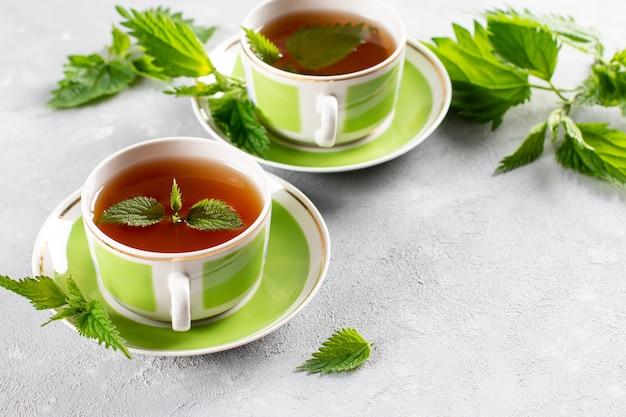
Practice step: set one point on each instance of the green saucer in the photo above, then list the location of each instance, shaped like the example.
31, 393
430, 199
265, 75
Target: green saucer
296, 264
423, 101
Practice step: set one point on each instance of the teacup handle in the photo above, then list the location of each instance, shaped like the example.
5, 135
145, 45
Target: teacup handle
180, 297
328, 109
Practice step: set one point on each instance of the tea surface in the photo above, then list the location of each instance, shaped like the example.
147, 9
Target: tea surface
376, 47
197, 180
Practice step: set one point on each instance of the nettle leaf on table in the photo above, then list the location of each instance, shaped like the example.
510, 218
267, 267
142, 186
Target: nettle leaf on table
606, 85
172, 44
564, 28
483, 69
524, 43
484, 88
344, 351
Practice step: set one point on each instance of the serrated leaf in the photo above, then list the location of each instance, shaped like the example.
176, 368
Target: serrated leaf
136, 211
121, 42
606, 159
198, 90
606, 85
176, 197
483, 88
524, 43
42, 291
529, 151
195, 90
566, 30
96, 324
345, 350
213, 215
319, 46
171, 43
236, 116
90, 77
262, 47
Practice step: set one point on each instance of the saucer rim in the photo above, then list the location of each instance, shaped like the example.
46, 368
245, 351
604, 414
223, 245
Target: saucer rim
440, 110
310, 287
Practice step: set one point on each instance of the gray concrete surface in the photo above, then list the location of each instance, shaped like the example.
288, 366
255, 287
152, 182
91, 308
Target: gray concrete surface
485, 295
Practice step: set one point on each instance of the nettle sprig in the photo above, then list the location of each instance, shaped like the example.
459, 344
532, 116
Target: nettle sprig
162, 45
89, 316
208, 214
491, 72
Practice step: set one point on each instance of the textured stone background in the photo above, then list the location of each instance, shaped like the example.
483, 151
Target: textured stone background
485, 295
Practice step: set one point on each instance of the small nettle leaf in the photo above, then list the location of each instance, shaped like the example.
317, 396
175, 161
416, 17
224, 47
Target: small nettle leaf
90, 77
213, 215
606, 85
605, 160
197, 90
176, 197
319, 46
529, 151
136, 211
236, 116
94, 322
41, 291
262, 47
345, 350
121, 42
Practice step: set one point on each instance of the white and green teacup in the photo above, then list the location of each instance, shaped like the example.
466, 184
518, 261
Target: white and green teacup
176, 288
325, 110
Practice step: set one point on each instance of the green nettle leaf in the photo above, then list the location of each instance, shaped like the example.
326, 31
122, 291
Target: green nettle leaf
529, 151
484, 88
236, 116
606, 159
144, 66
176, 197
136, 211
90, 77
262, 47
345, 350
41, 291
338, 42
94, 323
90, 316
213, 215
121, 42
173, 46
606, 85
198, 90
524, 43
566, 30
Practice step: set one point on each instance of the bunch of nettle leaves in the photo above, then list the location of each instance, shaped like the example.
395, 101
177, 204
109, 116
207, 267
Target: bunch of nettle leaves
491, 73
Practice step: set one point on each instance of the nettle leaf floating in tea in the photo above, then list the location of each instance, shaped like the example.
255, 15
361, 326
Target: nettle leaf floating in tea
262, 47
206, 214
136, 211
212, 214
319, 46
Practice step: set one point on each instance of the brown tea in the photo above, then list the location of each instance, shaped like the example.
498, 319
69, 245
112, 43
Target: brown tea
197, 180
377, 46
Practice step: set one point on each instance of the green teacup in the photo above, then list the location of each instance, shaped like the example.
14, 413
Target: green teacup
326, 108
170, 286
